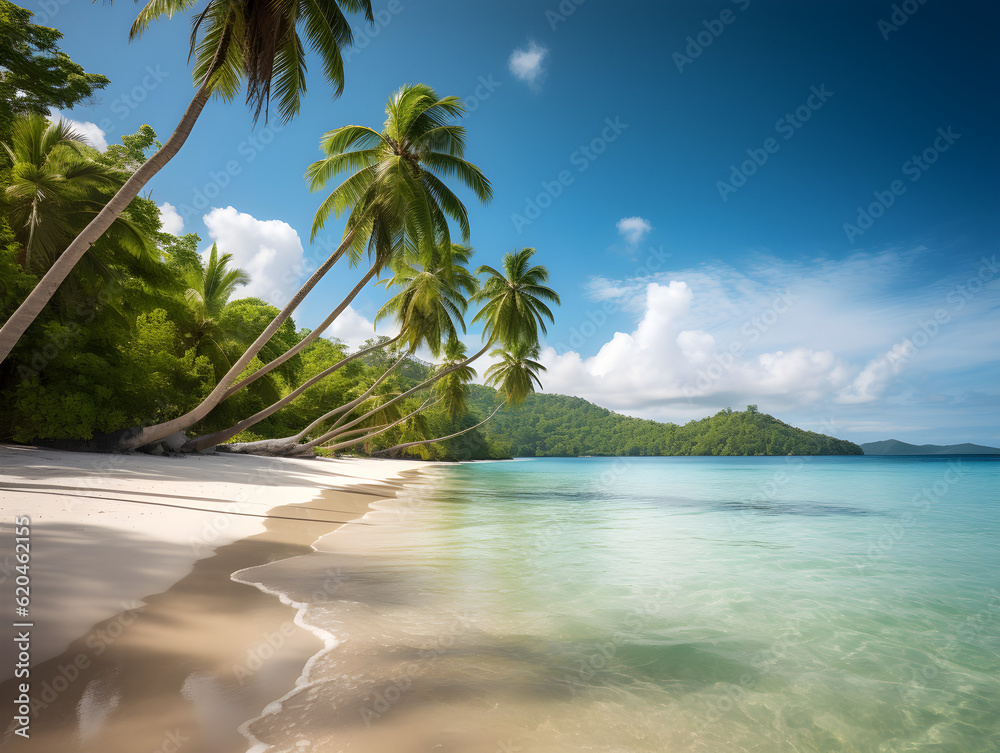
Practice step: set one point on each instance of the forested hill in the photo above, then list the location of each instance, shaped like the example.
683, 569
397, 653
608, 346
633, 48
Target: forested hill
895, 447
556, 425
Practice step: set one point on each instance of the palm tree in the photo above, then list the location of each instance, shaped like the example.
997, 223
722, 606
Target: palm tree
206, 297
513, 312
514, 306
517, 372
395, 193
453, 388
516, 375
232, 40
384, 217
428, 308
54, 191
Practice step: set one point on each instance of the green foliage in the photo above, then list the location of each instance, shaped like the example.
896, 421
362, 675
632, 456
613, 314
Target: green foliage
260, 42
94, 380
556, 425
34, 74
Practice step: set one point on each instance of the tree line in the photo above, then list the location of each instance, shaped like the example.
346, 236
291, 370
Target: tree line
548, 425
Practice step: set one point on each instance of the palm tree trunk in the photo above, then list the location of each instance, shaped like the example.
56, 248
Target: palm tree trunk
273, 447
410, 391
330, 435
299, 346
353, 404
207, 441
178, 425
32, 306
450, 436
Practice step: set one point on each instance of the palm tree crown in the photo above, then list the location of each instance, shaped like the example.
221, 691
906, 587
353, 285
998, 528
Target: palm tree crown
514, 307
432, 302
517, 374
395, 190
233, 40
54, 191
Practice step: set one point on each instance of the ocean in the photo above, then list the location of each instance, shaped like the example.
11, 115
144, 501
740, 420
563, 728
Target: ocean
655, 604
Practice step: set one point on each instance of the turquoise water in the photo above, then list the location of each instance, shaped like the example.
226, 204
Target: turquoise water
658, 604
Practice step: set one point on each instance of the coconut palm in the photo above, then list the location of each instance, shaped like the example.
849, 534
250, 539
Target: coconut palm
232, 41
453, 387
206, 297
394, 194
516, 374
513, 301
54, 191
384, 217
513, 312
429, 307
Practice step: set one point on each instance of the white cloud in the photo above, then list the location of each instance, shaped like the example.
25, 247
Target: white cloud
354, 328
874, 378
526, 65
89, 132
171, 219
806, 340
633, 229
269, 250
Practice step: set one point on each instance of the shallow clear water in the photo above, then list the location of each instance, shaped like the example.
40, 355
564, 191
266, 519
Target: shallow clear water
657, 604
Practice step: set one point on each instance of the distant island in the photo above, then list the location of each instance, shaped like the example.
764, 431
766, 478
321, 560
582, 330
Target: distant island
548, 425
895, 447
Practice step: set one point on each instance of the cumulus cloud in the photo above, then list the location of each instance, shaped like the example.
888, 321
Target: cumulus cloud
874, 378
91, 133
354, 328
633, 229
171, 219
269, 250
526, 64
807, 338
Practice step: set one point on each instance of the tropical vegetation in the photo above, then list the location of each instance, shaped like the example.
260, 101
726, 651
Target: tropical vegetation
120, 336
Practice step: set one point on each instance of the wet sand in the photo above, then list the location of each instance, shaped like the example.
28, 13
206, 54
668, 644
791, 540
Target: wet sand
182, 669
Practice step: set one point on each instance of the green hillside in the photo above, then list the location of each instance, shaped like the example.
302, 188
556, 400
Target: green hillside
556, 425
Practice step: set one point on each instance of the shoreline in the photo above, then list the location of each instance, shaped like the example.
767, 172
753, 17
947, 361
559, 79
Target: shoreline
179, 649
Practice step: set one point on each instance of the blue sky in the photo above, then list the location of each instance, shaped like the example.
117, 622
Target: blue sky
698, 176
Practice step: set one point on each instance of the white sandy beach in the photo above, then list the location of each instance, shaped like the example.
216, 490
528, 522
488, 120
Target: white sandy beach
133, 553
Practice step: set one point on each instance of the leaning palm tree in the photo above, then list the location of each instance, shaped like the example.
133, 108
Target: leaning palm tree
384, 218
394, 193
515, 375
429, 308
53, 191
513, 312
232, 41
515, 300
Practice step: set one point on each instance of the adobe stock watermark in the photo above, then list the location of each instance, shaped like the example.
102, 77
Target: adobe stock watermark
595, 319
892, 533
364, 35
958, 297
901, 13
751, 330
914, 168
218, 180
47, 10
699, 42
581, 158
970, 631
124, 104
562, 12
786, 127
